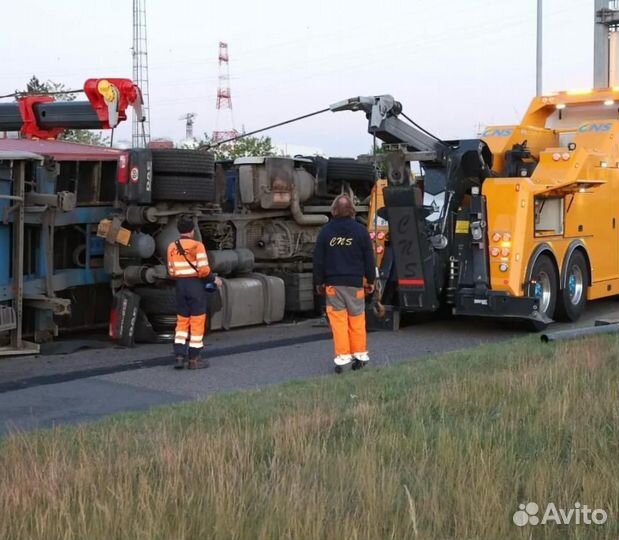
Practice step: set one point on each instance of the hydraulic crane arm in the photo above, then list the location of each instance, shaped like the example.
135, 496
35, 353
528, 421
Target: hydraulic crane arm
43, 118
382, 113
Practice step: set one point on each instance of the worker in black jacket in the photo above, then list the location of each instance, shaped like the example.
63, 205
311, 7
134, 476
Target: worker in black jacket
344, 271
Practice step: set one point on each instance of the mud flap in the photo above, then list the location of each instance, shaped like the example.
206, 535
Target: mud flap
123, 317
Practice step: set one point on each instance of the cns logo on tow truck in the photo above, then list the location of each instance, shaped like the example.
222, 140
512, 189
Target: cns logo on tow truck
497, 132
590, 127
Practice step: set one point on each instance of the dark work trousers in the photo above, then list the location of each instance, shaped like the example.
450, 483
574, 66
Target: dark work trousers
190, 318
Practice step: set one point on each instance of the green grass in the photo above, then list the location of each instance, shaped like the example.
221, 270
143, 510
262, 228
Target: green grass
443, 447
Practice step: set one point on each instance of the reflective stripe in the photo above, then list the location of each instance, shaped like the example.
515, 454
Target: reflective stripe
195, 344
182, 335
181, 264
180, 341
189, 272
201, 256
202, 264
197, 338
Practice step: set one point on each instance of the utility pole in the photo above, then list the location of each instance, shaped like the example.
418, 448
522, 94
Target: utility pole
538, 70
188, 118
224, 97
140, 135
605, 44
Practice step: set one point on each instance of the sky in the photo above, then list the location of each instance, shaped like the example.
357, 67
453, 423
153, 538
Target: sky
454, 65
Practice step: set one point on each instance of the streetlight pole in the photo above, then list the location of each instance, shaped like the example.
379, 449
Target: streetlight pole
538, 70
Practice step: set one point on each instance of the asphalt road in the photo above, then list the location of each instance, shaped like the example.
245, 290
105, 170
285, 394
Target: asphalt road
38, 392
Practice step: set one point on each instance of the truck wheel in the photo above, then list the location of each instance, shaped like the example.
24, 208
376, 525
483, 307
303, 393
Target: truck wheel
157, 300
350, 169
183, 188
180, 161
544, 285
573, 298
161, 301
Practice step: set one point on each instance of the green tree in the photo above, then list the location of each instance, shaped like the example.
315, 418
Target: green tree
35, 87
247, 146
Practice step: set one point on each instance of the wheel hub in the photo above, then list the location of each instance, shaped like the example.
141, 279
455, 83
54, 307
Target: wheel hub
542, 290
575, 285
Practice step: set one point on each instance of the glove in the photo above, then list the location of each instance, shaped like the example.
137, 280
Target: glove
369, 288
211, 285
320, 290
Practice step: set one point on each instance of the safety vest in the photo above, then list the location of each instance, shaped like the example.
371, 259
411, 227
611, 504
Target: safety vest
182, 266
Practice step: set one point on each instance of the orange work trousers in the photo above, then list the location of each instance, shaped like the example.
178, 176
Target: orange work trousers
346, 312
189, 331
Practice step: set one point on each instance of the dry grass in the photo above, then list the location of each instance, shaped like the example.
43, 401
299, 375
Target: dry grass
445, 447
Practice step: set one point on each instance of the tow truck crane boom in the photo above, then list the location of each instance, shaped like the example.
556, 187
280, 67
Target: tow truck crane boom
382, 113
40, 117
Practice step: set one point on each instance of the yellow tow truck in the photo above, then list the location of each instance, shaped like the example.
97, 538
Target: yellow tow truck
521, 223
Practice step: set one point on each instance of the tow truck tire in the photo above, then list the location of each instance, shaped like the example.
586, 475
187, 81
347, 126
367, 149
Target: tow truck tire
167, 187
573, 298
546, 285
350, 170
180, 161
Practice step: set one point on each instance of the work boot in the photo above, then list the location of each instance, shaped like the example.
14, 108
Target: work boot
342, 359
360, 360
180, 362
197, 363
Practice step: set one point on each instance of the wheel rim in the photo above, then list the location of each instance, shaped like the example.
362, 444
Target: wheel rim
575, 285
542, 290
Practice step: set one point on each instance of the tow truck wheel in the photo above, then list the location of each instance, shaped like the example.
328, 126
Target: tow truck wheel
544, 285
573, 297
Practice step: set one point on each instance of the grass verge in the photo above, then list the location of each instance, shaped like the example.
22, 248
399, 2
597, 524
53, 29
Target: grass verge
444, 447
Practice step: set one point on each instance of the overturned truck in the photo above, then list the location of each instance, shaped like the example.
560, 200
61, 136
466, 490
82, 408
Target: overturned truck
258, 216
84, 230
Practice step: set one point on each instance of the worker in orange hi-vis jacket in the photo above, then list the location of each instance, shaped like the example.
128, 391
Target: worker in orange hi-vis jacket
344, 271
188, 265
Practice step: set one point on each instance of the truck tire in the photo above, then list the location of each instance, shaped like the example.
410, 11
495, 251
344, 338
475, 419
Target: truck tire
167, 187
157, 300
179, 161
544, 284
350, 170
161, 302
573, 298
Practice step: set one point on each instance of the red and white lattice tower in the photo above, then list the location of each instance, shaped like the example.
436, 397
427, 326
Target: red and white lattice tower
224, 99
